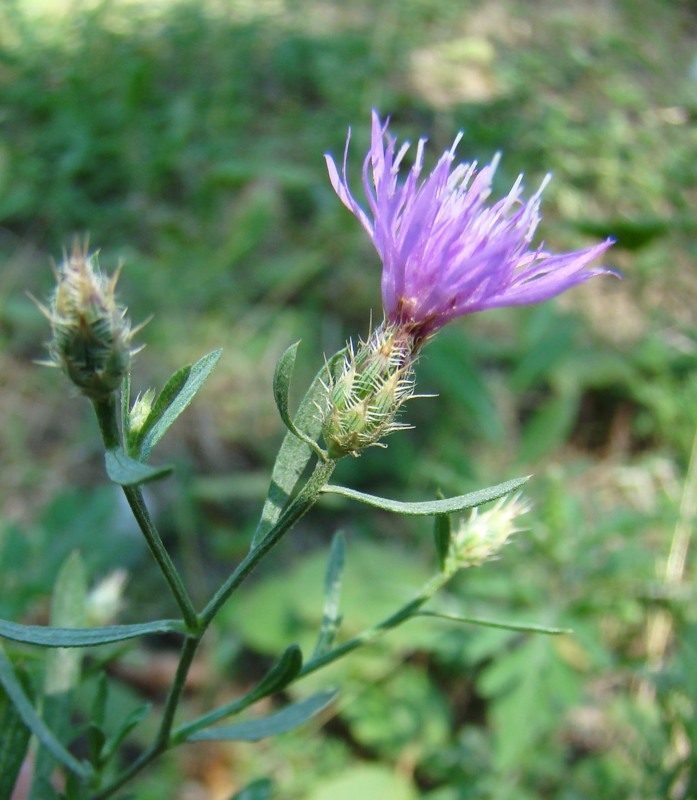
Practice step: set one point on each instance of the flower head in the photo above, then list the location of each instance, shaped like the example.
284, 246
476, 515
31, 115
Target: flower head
365, 397
482, 535
91, 333
445, 250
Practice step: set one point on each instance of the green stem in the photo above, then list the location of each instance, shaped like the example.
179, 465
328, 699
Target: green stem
407, 611
161, 556
107, 416
302, 503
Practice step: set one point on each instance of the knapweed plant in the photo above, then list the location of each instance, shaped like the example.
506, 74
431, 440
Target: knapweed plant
446, 252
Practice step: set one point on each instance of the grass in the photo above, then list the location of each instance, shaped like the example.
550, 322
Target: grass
187, 140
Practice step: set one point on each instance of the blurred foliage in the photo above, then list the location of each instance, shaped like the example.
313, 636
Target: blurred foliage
186, 139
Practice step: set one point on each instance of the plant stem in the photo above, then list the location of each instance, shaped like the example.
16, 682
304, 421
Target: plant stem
302, 503
107, 416
161, 556
402, 614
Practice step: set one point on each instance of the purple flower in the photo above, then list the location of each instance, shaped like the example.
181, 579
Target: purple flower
445, 251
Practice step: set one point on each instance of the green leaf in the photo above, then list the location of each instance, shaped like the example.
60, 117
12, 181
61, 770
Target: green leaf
277, 678
281, 387
282, 721
84, 637
525, 627
257, 790
431, 507
281, 673
174, 398
442, 534
95, 743
14, 743
331, 619
63, 666
132, 720
26, 711
67, 610
294, 454
126, 471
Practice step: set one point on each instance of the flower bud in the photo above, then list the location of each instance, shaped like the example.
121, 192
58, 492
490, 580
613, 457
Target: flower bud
140, 410
364, 399
91, 334
481, 536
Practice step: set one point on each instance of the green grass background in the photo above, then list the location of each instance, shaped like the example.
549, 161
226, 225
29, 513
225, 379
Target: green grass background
187, 139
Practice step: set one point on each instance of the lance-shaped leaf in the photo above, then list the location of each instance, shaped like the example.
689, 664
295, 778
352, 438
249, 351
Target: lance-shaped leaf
14, 743
126, 471
31, 719
282, 673
331, 619
295, 454
442, 534
430, 507
281, 388
111, 745
63, 666
282, 721
84, 637
175, 396
524, 627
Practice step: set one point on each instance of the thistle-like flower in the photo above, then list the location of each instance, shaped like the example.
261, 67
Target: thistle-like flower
364, 399
91, 334
480, 537
445, 251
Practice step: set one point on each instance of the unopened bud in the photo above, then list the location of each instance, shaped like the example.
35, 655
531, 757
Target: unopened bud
140, 411
91, 333
106, 599
481, 536
365, 397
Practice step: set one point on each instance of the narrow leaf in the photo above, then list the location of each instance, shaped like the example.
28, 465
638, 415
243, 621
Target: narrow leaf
14, 743
431, 507
524, 627
295, 454
84, 637
126, 471
290, 717
95, 742
26, 711
174, 398
67, 610
63, 666
331, 619
281, 387
442, 535
132, 720
283, 672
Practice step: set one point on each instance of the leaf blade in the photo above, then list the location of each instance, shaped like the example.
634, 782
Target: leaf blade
520, 627
279, 722
174, 398
331, 618
84, 637
31, 719
294, 454
126, 471
429, 508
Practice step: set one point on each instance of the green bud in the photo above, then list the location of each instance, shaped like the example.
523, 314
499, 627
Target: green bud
482, 535
365, 397
91, 334
140, 411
